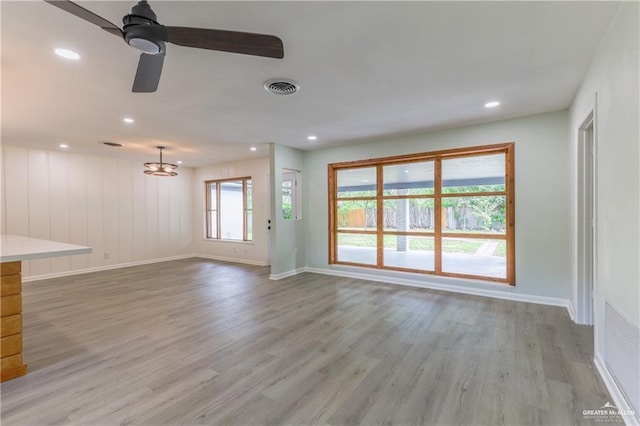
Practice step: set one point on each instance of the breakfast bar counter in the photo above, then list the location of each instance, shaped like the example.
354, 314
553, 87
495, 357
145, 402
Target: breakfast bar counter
13, 250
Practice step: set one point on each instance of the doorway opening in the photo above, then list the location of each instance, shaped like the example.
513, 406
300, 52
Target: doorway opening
586, 221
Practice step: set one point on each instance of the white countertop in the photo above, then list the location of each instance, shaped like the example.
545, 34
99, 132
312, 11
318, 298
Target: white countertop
16, 247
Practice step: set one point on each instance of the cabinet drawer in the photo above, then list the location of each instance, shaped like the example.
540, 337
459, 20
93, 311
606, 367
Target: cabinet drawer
10, 345
10, 284
10, 325
10, 268
11, 361
10, 305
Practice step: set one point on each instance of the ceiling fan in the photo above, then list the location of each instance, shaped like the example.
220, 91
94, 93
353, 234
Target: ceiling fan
142, 31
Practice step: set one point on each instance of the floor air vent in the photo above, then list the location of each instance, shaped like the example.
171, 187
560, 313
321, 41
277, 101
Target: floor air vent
622, 354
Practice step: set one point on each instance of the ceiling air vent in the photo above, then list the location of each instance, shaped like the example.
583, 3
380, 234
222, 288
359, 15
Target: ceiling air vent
281, 86
113, 144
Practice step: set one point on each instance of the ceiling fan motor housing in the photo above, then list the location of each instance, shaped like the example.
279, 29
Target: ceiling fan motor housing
142, 31
141, 10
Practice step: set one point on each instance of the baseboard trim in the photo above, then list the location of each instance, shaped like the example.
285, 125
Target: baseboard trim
286, 274
496, 294
571, 310
230, 259
104, 268
618, 397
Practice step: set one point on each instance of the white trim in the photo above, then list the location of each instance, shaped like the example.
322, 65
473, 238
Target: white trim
286, 274
571, 310
508, 294
583, 290
231, 259
618, 397
221, 241
141, 262
103, 268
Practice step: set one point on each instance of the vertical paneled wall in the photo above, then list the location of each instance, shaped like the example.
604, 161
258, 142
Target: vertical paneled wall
105, 203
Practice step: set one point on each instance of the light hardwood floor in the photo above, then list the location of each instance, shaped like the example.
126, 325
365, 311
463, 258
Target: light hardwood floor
203, 342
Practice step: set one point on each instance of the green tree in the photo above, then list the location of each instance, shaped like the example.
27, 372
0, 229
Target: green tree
490, 210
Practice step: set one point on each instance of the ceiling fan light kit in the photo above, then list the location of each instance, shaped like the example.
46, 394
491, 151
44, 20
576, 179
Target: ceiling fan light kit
161, 168
142, 31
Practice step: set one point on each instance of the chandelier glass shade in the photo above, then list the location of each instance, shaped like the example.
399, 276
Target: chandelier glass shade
161, 168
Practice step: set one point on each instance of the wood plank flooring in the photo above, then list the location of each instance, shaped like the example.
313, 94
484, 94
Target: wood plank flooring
202, 342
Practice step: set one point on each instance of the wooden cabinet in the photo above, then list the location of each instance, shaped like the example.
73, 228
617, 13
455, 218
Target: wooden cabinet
15, 249
11, 363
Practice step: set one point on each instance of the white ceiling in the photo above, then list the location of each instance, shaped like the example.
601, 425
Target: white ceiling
367, 70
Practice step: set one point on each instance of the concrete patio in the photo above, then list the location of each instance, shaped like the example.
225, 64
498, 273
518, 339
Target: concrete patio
459, 263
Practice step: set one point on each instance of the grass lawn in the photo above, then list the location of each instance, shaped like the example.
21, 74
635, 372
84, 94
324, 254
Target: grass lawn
458, 245
501, 250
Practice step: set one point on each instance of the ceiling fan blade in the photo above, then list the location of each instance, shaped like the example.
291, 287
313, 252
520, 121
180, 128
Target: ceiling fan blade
87, 15
148, 73
227, 41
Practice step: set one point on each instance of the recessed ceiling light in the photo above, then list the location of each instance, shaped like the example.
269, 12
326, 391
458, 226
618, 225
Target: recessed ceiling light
406, 171
253, 148
66, 53
491, 104
312, 138
179, 162
64, 145
128, 120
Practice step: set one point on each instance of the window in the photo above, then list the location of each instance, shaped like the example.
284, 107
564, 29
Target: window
447, 213
229, 209
290, 194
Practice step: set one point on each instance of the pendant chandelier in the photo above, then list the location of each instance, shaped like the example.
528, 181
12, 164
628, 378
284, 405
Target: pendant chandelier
161, 168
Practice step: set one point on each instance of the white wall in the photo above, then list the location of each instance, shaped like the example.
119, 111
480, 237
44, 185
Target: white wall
543, 193
288, 236
254, 252
105, 203
613, 76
